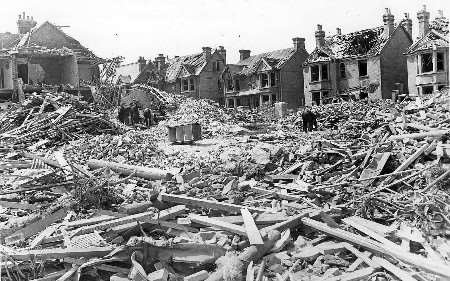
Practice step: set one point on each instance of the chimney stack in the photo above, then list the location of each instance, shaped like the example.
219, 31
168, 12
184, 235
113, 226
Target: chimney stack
160, 61
25, 23
299, 43
424, 21
244, 54
407, 24
142, 62
388, 20
320, 36
440, 14
338, 31
221, 50
206, 52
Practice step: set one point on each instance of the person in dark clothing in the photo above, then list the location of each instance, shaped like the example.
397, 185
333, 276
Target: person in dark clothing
148, 117
122, 114
134, 113
309, 120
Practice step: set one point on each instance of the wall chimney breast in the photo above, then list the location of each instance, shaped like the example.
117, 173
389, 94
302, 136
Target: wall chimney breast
221, 50
160, 61
142, 62
424, 21
320, 36
407, 24
244, 54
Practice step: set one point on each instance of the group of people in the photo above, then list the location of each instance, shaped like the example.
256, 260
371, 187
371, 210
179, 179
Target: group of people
309, 119
130, 115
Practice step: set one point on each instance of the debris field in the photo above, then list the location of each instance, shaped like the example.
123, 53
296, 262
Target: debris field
365, 197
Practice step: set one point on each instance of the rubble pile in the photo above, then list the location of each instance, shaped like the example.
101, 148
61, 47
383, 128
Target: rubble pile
52, 119
364, 198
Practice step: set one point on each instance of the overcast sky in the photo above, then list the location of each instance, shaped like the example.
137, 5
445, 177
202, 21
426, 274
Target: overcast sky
146, 28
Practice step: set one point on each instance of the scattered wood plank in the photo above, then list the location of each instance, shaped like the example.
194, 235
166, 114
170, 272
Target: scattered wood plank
59, 253
250, 227
204, 203
276, 194
233, 228
262, 218
19, 205
434, 133
401, 274
124, 169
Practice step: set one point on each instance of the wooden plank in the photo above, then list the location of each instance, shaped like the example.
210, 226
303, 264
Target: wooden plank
84, 222
36, 227
401, 274
68, 275
233, 228
207, 204
358, 261
364, 257
375, 167
262, 218
250, 227
59, 253
434, 133
51, 276
41, 236
292, 222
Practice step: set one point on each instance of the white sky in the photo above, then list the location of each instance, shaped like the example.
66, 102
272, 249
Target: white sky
146, 28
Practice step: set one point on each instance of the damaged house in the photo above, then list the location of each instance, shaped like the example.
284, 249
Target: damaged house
266, 78
194, 75
128, 72
365, 63
44, 56
427, 58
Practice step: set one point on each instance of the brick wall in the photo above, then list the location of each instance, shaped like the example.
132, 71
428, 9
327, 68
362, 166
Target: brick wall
208, 79
393, 63
411, 62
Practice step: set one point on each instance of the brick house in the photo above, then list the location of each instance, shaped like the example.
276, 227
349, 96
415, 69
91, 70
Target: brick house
427, 58
127, 72
194, 75
266, 78
44, 55
366, 63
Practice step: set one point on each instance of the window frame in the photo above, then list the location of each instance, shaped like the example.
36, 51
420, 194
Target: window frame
442, 61
185, 82
322, 67
191, 84
429, 63
311, 73
273, 79
359, 68
264, 80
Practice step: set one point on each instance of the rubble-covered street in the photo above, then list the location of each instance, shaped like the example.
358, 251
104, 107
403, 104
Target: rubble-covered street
363, 198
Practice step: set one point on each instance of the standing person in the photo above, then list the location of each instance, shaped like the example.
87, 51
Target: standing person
148, 117
134, 113
307, 120
122, 113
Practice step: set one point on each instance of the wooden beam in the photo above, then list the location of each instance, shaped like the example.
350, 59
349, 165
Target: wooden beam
250, 227
434, 133
206, 204
19, 205
276, 194
262, 218
59, 253
124, 169
401, 274
233, 228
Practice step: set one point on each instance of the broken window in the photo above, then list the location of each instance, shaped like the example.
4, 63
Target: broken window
272, 79
427, 62
185, 85
264, 80
324, 71
440, 61
342, 70
362, 68
191, 84
314, 73
237, 87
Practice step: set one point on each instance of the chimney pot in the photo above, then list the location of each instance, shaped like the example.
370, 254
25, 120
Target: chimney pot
338, 31
388, 20
424, 21
299, 43
320, 36
221, 50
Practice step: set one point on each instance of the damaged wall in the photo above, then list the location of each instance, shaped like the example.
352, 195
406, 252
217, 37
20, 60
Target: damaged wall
6, 71
88, 72
53, 70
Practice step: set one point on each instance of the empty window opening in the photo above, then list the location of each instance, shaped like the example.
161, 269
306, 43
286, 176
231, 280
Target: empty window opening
316, 98
342, 70
315, 73
362, 68
230, 85
2, 78
264, 80
427, 63
237, 86
440, 61
191, 84
22, 72
324, 71
185, 85
427, 90
272, 79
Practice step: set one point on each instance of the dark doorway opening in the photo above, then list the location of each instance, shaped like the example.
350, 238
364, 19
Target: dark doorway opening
22, 72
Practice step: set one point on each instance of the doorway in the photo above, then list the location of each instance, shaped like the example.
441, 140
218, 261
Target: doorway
22, 72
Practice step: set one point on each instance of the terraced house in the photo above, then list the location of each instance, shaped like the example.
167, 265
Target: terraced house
266, 78
428, 57
194, 75
365, 63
